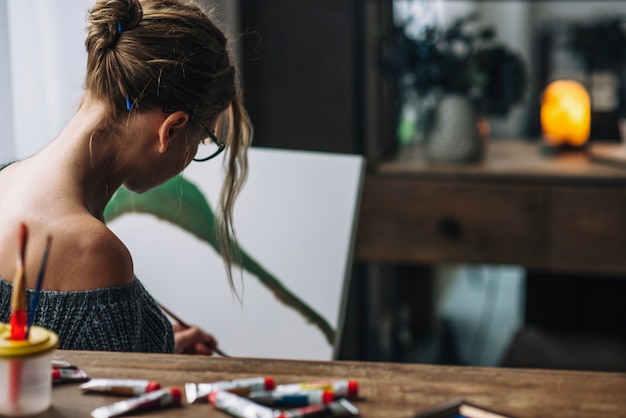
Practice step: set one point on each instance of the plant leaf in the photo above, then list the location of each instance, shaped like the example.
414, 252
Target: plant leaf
181, 203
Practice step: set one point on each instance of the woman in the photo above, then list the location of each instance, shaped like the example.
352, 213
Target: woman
160, 84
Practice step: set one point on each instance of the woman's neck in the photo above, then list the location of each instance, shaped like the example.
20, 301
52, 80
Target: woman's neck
88, 162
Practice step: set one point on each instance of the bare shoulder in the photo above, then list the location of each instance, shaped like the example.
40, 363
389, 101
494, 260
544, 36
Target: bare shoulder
85, 254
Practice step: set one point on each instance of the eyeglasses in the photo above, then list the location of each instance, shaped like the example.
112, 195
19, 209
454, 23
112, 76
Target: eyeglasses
209, 147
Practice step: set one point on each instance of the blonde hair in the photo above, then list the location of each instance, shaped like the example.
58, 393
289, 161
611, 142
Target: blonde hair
171, 55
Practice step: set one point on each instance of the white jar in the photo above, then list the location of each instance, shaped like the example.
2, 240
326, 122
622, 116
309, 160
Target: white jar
25, 372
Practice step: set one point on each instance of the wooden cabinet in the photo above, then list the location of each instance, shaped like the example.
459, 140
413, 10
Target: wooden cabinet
407, 220
558, 213
587, 229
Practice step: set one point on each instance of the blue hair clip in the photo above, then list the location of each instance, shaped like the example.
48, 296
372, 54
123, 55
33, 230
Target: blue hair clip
120, 28
128, 103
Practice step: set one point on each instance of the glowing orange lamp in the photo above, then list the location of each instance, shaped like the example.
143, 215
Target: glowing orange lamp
566, 114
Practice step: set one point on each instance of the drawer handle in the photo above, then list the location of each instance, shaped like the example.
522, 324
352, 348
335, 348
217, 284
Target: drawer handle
449, 227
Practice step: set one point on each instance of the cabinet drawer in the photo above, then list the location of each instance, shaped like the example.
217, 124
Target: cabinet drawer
406, 220
588, 229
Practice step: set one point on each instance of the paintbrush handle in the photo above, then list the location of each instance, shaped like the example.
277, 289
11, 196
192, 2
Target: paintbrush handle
39, 284
184, 324
18, 293
174, 316
220, 352
18, 324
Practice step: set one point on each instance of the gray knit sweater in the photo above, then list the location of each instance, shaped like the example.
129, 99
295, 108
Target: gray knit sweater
121, 318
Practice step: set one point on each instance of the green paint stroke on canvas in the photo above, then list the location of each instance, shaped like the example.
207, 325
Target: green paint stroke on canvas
180, 202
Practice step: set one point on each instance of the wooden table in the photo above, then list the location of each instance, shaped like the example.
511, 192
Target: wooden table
387, 390
565, 212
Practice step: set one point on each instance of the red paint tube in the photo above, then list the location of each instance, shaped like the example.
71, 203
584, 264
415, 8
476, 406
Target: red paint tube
61, 375
283, 399
152, 400
128, 387
340, 388
61, 364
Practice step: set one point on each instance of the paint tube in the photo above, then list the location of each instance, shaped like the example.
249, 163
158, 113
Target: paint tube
128, 387
340, 388
340, 408
152, 400
73, 374
239, 406
292, 399
198, 391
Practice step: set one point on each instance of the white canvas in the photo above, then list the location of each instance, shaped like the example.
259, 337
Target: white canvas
296, 217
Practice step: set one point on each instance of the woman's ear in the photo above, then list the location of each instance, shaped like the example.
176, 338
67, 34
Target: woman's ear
171, 127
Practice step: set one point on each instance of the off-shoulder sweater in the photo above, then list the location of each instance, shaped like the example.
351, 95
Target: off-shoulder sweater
121, 318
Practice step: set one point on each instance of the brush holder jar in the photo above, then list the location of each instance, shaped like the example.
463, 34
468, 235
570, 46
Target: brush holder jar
26, 372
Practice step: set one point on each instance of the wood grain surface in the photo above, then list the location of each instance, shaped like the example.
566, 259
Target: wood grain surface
387, 390
562, 212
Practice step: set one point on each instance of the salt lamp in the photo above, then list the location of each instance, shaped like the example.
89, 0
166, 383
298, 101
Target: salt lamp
566, 114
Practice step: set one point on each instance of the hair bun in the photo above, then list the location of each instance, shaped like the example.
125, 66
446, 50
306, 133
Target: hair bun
110, 18
129, 14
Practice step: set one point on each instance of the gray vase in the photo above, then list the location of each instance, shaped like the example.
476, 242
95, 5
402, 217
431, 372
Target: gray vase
454, 136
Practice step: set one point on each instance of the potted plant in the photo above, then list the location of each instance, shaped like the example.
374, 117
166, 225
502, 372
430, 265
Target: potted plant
460, 63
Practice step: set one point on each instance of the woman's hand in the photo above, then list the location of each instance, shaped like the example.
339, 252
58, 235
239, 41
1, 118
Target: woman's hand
193, 340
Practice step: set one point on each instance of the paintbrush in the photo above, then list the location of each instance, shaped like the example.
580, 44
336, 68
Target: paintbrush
42, 269
18, 293
18, 316
185, 325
